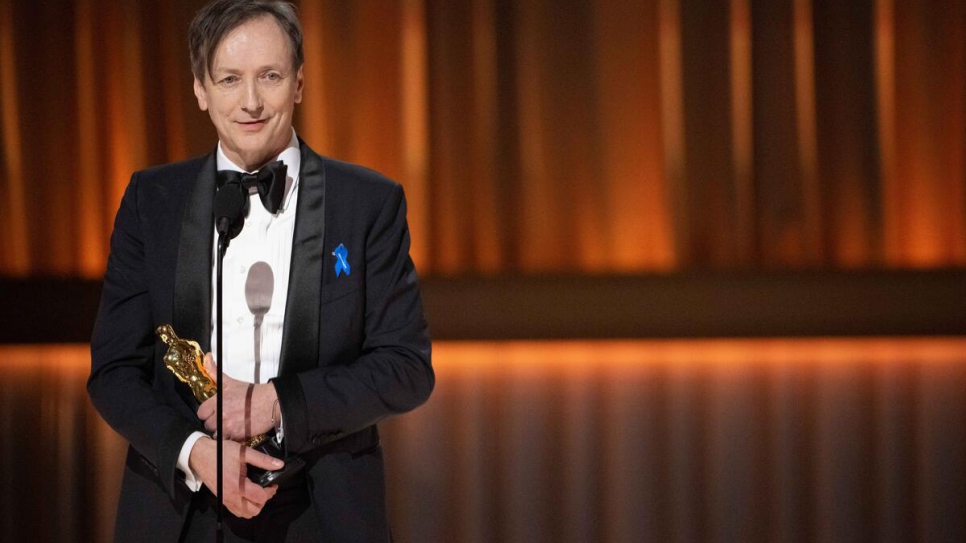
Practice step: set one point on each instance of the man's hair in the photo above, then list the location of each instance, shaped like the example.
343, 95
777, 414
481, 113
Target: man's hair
220, 17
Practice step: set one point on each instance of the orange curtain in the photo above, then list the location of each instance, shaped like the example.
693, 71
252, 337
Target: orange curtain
575, 136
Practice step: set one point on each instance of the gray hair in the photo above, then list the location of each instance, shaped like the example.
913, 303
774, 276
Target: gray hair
220, 17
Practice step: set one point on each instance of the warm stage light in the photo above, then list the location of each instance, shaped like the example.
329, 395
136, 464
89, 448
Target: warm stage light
615, 440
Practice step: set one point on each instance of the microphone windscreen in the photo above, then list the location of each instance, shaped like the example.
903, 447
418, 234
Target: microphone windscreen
228, 209
259, 288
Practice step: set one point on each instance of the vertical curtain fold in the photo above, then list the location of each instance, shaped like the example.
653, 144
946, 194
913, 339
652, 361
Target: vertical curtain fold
534, 136
13, 206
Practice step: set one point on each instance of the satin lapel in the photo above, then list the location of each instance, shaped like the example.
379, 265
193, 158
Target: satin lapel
192, 282
300, 337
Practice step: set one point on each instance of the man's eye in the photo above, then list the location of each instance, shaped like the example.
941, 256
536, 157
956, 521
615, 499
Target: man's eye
273, 76
229, 80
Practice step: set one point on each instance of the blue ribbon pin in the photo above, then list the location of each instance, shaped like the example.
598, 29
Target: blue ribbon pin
341, 260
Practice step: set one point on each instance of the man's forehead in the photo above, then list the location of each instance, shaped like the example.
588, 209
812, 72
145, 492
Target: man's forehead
258, 30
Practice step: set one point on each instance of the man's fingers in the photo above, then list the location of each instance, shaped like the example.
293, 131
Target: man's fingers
254, 493
243, 497
251, 499
261, 460
206, 412
244, 508
207, 408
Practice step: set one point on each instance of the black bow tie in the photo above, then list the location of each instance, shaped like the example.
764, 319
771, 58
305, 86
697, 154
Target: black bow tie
270, 181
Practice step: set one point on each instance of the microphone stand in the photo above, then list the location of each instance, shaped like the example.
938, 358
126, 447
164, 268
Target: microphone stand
228, 207
219, 407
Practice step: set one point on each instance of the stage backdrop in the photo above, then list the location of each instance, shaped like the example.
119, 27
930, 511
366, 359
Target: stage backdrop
533, 135
791, 441
577, 137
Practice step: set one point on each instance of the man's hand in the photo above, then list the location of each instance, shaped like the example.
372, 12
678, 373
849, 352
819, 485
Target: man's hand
248, 407
243, 498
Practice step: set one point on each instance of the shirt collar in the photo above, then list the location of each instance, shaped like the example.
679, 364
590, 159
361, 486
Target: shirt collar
291, 156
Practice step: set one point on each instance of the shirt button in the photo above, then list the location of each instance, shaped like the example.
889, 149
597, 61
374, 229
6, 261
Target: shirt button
241, 269
241, 320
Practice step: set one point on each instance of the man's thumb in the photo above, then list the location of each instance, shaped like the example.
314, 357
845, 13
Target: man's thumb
211, 367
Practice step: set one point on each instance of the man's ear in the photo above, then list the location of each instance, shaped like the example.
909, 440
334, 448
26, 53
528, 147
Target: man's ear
201, 95
299, 84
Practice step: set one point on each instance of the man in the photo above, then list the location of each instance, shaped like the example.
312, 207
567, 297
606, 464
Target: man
324, 333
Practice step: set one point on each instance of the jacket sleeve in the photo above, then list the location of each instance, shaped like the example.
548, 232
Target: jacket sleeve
394, 373
122, 384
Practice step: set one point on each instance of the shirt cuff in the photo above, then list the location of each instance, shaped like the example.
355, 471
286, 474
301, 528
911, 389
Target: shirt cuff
190, 479
280, 431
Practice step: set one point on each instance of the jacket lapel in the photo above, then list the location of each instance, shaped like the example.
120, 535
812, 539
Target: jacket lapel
300, 336
192, 284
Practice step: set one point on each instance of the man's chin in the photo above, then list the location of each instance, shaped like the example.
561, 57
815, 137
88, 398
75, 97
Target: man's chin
255, 149
248, 159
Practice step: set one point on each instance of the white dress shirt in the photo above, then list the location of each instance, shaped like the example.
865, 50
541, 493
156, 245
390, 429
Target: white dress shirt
265, 240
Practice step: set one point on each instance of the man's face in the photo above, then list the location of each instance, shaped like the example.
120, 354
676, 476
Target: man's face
251, 92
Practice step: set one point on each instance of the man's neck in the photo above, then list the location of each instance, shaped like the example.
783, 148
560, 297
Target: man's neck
236, 162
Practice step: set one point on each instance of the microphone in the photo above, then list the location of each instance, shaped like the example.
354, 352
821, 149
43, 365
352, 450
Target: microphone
258, 293
229, 210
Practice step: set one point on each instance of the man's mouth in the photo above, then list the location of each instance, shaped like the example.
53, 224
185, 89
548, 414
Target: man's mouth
252, 126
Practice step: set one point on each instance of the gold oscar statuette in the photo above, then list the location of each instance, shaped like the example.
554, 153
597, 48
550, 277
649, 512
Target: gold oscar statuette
186, 361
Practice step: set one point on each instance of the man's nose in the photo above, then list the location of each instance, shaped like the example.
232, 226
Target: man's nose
252, 100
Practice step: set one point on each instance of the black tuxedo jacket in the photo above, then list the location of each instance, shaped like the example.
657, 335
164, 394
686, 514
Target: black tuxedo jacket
355, 348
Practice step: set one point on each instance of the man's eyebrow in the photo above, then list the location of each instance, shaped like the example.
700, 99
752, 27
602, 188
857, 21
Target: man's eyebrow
231, 70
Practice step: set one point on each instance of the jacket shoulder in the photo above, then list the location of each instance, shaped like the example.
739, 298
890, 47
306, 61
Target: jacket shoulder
340, 174
357, 177
185, 169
